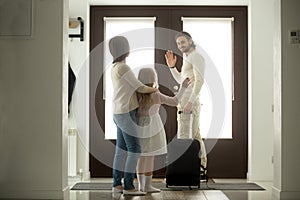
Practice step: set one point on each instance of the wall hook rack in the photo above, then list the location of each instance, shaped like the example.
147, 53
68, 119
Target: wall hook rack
81, 30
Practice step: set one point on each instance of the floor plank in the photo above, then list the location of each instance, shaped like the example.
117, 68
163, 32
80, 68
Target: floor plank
215, 195
194, 195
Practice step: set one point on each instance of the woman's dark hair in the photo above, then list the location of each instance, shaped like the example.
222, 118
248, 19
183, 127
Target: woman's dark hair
119, 48
186, 35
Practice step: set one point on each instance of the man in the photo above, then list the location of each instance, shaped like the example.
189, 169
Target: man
189, 106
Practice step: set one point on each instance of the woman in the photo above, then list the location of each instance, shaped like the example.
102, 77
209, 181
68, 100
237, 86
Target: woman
125, 102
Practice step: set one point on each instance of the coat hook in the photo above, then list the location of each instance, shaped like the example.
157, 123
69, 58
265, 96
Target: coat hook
81, 22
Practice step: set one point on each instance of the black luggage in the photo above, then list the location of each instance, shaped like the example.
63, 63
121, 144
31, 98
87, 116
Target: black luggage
183, 163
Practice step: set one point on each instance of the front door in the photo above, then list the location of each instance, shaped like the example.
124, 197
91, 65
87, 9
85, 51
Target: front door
227, 151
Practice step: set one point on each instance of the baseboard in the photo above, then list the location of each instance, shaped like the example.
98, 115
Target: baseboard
285, 195
253, 178
275, 193
248, 176
87, 176
66, 192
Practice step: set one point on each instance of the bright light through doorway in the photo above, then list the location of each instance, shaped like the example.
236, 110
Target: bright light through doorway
215, 37
138, 57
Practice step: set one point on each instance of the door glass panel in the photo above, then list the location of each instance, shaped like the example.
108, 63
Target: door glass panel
141, 54
215, 37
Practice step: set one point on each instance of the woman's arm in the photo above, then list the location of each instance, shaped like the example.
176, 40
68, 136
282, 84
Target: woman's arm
127, 75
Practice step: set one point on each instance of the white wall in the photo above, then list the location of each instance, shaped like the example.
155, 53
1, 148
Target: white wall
261, 132
277, 96
287, 162
78, 58
261, 25
33, 107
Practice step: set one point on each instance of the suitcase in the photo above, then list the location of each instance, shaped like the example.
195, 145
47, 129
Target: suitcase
183, 163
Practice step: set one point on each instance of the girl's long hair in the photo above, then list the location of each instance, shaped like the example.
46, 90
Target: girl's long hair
148, 77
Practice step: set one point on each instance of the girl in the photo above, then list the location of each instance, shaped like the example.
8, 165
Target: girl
151, 129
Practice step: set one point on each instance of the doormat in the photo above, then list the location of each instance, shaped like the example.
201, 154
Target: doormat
162, 186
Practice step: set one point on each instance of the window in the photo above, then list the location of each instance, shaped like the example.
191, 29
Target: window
141, 54
215, 37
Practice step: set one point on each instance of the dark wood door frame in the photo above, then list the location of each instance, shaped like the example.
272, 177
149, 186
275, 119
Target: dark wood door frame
226, 152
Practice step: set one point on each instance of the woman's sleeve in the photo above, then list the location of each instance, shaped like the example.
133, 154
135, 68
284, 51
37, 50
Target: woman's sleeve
128, 76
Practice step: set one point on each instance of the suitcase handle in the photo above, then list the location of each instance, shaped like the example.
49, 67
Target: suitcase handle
181, 112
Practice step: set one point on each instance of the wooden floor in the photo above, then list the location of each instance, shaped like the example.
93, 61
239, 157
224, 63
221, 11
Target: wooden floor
172, 195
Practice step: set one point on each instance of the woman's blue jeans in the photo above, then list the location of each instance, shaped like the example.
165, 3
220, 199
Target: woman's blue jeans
127, 144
